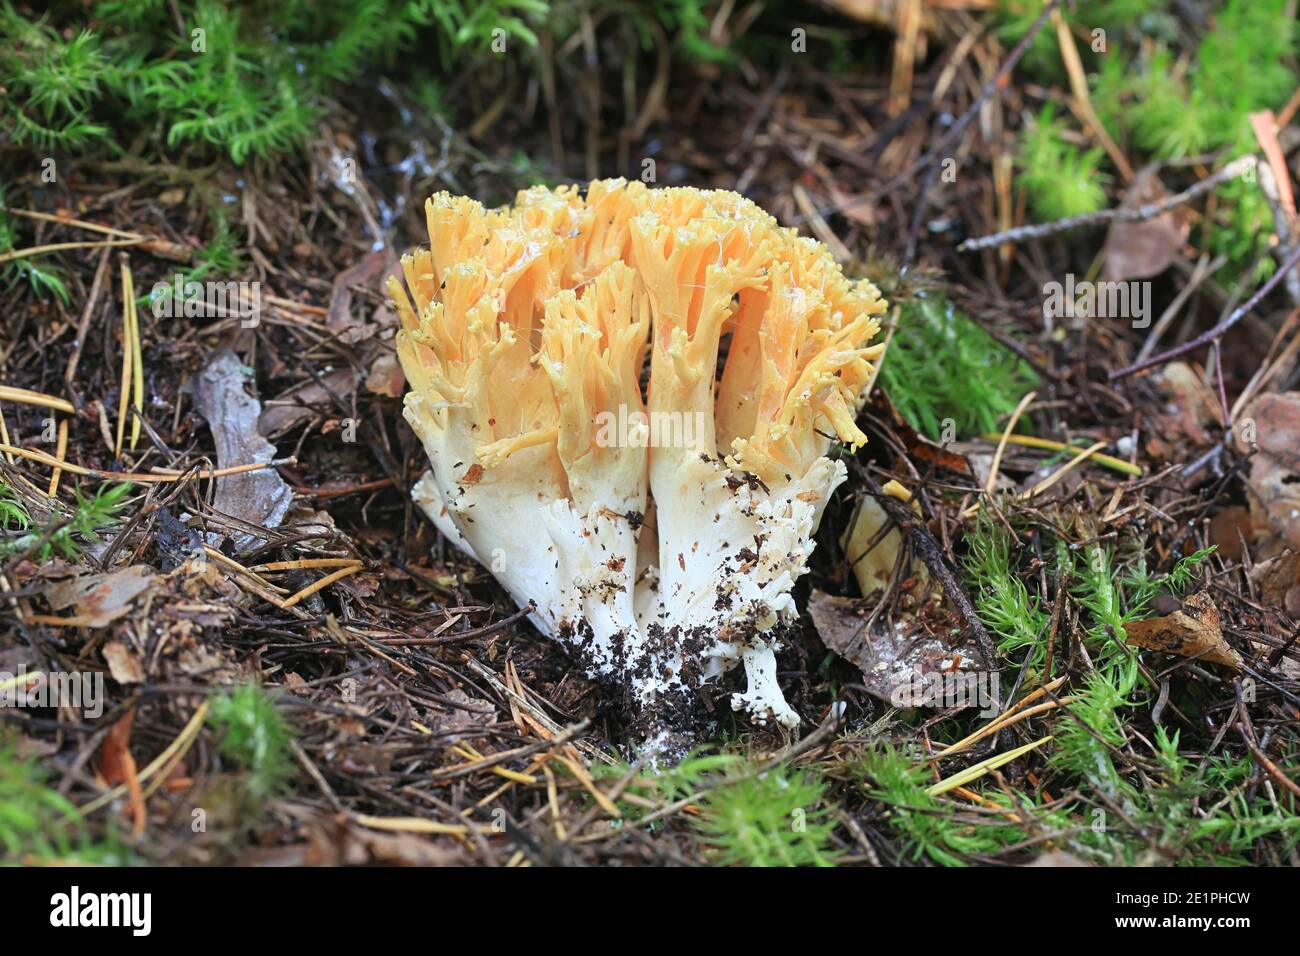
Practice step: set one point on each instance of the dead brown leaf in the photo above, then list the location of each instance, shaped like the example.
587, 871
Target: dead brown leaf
297, 404
370, 271
123, 663
100, 599
1278, 582
1140, 250
386, 376
1192, 631
1190, 411
1274, 480
257, 497
890, 656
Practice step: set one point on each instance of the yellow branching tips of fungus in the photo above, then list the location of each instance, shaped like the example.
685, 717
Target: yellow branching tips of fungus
657, 532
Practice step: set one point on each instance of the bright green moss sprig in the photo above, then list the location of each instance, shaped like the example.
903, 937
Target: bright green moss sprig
942, 365
255, 735
1061, 179
82, 524
40, 825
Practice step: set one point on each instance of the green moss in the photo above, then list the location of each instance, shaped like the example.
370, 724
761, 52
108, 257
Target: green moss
255, 736
39, 825
941, 365
1061, 179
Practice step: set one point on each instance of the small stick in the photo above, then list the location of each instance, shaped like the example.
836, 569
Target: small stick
1216, 333
911, 525
83, 327
1118, 214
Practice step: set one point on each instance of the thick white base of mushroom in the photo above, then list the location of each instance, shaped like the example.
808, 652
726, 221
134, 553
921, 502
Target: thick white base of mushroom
723, 587
426, 495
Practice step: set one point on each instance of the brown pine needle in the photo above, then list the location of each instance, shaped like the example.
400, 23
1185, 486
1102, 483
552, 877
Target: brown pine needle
128, 356
416, 825
137, 356
1002, 719
64, 246
27, 397
165, 761
60, 452
4, 437
140, 477
78, 223
305, 563
1064, 470
238, 568
991, 484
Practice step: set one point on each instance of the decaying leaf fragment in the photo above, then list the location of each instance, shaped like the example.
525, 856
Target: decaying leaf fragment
1192, 631
257, 497
1140, 250
897, 659
1274, 480
101, 599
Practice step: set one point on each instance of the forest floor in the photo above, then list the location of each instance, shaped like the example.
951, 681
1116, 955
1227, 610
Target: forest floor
213, 513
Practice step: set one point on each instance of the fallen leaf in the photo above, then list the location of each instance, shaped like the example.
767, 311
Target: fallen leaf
1224, 531
115, 754
100, 599
117, 765
258, 497
1057, 858
472, 714
873, 561
386, 376
1274, 480
1277, 586
1140, 250
892, 656
370, 271
123, 663
336, 840
1192, 631
297, 404
1189, 413
1278, 582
